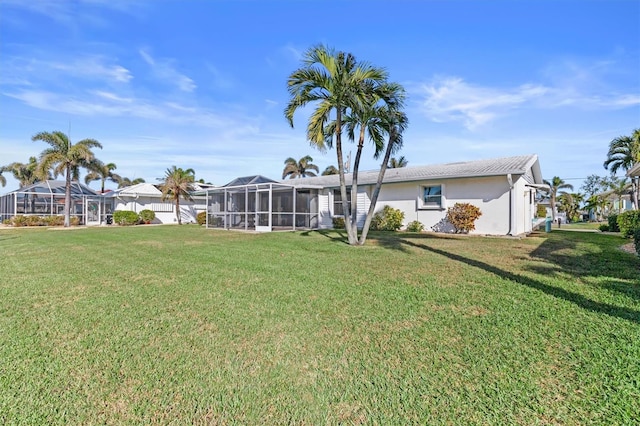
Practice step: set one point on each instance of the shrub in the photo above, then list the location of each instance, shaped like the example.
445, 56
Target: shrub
387, 219
6, 222
636, 240
73, 221
338, 222
147, 215
19, 220
628, 222
613, 223
541, 211
463, 217
201, 218
415, 226
604, 227
125, 217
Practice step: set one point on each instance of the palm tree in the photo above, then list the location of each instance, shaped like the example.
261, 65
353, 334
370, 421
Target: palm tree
330, 170
125, 181
624, 152
555, 186
299, 169
620, 188
3, 180
338, 84
102, 172
176, 184
570, 204
396, 163
65, 158
26, 173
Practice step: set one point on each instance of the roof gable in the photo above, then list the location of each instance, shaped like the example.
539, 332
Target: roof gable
247, 180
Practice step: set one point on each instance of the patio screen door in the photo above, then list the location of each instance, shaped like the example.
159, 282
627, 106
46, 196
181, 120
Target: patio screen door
93, 211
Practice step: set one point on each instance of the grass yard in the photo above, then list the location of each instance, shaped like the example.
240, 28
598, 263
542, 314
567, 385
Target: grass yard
183, 325
581, 225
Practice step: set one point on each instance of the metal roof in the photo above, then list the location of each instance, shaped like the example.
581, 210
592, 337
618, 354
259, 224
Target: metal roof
517, 165
144, 189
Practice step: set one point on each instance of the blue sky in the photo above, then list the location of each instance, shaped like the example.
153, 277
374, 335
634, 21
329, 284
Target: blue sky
202, 84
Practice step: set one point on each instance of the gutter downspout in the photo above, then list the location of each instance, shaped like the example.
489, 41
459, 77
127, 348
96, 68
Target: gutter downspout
510, 182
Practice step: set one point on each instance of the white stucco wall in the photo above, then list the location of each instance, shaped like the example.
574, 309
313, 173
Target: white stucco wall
165, 211
490, 194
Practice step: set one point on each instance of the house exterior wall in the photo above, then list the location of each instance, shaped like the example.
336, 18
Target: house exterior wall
164, 210
490, 194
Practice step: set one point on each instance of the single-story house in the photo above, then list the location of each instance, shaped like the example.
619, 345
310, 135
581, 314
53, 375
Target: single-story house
503, 188
146, 196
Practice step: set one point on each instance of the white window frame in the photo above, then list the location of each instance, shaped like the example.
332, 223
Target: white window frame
333, 201
421, 203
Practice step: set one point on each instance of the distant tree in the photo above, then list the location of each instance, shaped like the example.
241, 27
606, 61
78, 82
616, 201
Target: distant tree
330, 170
595, 184
556, 185
570, 204
598, 204
26, 173
3, 180
299, 169
102, 172
176, 184
125, 181
395, 163
65, 158
624, 152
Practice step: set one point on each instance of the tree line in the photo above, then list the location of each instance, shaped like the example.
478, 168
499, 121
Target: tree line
623, 154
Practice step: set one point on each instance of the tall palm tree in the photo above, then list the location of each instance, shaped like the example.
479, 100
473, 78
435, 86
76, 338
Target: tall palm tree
176, 184
337, 83
125, 181
65, 158
396, 163
330, 170
299, 169
102, 172
624, 152
556, 185
26, 173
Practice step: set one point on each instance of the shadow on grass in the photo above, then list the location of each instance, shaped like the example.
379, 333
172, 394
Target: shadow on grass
583, 302
610, 265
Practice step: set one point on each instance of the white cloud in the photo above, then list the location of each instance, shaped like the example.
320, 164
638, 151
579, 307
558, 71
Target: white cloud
165, 71
453, 99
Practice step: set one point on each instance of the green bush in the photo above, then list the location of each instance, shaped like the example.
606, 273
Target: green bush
636, 240
387, 219
415, 226
125, 217
201, 218
463, 217
541, 211
613, 223
628, 222
147, 215
338, 222
604, 227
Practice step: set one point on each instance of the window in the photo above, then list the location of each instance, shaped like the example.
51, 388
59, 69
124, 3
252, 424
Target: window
337, 202
432, 197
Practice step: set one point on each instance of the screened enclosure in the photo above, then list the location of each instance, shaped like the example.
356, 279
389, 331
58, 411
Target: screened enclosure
47, 199
262, 207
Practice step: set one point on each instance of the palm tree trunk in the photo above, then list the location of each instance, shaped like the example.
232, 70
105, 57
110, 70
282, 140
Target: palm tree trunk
353, 239
67, 198
376, 192
354, 184
178, 210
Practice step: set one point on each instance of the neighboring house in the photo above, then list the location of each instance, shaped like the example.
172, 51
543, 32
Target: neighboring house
46, 198
146, 196
503, 188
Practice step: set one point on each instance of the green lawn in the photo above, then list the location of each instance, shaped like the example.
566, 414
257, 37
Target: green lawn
581, 225
165, 324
